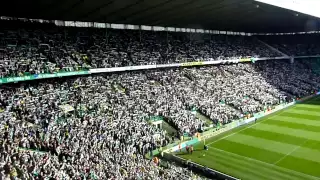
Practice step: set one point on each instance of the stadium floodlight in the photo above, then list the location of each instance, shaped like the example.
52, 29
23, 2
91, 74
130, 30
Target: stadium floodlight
310, 7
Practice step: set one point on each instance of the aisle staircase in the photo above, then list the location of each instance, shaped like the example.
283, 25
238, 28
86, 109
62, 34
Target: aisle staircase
207, 120
170, 129
272, 48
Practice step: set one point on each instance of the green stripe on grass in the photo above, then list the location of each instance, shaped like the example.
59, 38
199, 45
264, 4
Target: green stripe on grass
248, 151
302, 116
311, 106
296, 120
305, 112
278, 147
261, 167
292, 125
306, 108
289, 131
301, 165
294, 140
289, 138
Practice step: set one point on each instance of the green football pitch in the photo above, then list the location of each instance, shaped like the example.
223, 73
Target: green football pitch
283, 145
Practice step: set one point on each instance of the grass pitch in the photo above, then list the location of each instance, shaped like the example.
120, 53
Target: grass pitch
283, 145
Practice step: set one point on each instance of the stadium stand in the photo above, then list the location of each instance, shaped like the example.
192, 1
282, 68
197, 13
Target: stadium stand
100, 126
42, 48
295, 45
96, 127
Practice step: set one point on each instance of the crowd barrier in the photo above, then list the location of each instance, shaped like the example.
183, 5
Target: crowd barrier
143, 67
131, 68
182, 145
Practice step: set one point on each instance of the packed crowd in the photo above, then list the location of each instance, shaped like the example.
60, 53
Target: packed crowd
295, 45
106, 138
39, 48
96, 127
225, 93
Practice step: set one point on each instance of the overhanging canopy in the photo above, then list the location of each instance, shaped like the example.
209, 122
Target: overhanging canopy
230, 15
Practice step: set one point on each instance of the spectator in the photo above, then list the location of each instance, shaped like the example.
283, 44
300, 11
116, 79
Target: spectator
33, 48
96, 127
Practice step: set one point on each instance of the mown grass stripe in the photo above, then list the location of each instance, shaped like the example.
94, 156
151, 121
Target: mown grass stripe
292, 125
301, 165
277, 147
248, 151
315, 109
262, 167
313, 102
296, 120
291, 152
305, 112
298, 115
307, 154
269, 145
251, 166
241, 128
225, 167
310, 106
284, 170
236, 164
282, 138
289, 131
221, 165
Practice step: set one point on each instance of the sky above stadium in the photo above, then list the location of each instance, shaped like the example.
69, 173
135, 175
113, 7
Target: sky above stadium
310, 7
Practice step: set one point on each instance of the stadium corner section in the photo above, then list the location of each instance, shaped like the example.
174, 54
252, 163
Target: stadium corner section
168, 153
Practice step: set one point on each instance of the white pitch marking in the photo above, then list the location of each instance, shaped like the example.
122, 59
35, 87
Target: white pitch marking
270, 165
285, 169
296, 148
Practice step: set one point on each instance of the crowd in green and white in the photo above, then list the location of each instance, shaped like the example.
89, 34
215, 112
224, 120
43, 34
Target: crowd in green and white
105, 139
295, 44
96, 127
33, 48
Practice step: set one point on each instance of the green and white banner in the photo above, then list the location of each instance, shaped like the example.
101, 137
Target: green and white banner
41, 76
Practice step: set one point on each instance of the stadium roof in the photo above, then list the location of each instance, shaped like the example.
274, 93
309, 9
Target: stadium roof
230, 15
